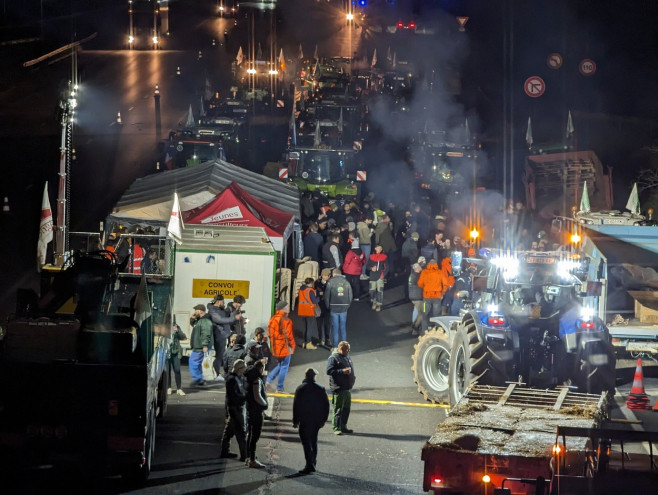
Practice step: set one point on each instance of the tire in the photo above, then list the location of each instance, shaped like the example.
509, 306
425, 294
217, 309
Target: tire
138, 475
162, 394
468, 363
431, 361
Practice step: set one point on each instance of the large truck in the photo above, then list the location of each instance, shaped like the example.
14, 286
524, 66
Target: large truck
505, 437
83, 371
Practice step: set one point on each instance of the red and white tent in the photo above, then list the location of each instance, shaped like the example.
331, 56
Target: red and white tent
236, 207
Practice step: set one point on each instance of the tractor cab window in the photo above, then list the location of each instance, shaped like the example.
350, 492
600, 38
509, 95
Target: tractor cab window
323, 167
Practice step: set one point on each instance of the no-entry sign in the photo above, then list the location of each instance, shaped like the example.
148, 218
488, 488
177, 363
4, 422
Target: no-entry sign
587, 67
534, 86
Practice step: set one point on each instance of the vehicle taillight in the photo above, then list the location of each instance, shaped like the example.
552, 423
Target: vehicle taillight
400, 25
496, 321
412, 25
586, 325
558, 450
436, 481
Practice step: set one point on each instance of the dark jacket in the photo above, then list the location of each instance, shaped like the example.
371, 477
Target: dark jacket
384, 236
236, 394
176, 336
339, 381
310, 408
410, 250
328, 258
222, 320
313, 242
256, 395
232, 354
201, 334
238, 325
377, 266
338, 295
415, 292
320, 288
430, 252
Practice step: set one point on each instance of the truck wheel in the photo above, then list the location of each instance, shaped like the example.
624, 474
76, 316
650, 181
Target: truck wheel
431, 363
137, 475
468, 363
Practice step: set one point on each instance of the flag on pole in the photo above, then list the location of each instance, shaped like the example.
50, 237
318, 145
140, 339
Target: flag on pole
282, 60
202, 110
300, 55
293, 131
317, 140
584, 200
570, 128
175, 227
315, 53
528, 134
374, 58
633, 203
45, 228
142, 302
239, 57
190, 118
207, 93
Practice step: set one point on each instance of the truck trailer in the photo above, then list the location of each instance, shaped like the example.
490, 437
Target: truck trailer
499, 437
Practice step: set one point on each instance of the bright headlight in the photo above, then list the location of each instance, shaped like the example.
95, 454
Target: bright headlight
586, 313
509, 265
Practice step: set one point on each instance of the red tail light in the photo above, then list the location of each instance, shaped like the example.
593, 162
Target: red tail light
412, 25
496, 321
586, 325
400, 25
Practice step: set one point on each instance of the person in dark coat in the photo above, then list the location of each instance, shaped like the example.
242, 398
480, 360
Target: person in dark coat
341, 380
222, 320
310, 411
238, 351
256, 405
313, 242
236, 395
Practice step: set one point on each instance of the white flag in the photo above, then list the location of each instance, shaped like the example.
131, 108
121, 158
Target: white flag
374, 58
190, 118
633, 203
45, 228
317, 140
528, 134
300, 55
282, 60
239, 58
570, 127
175, 227
340, 121
584, 200
315, 53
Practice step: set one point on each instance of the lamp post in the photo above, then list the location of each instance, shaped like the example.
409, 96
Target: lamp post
350, 22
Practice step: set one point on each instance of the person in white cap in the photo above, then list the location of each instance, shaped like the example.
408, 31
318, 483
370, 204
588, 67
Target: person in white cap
310, 411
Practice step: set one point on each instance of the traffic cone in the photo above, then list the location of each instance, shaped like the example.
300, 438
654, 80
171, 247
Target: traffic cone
638, 399
119, 121
5, 206
655, 407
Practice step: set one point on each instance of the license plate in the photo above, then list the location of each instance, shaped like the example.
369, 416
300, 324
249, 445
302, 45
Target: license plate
540, 260
613, 221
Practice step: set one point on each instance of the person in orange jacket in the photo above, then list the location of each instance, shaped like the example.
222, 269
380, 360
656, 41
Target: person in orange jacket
434, 284
282, 340
308, 300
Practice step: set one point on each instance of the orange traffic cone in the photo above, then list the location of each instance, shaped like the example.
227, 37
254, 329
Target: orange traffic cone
637, 399
5, 206
119, 121
655, 407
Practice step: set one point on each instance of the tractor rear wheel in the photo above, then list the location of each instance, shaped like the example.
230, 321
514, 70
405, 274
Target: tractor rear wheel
431, 364
469, 361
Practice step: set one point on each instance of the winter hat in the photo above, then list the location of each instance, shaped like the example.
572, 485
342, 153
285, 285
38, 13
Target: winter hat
311, 372
422, 260
355, 243
252, 344
238, 365
281, 304
415, 235
351, 226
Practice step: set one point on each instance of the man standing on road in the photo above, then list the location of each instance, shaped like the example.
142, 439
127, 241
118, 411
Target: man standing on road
236, 395
221, 324
310, 410
256, 405
433, 283
338, 297
199, 342
283, 344
341, 380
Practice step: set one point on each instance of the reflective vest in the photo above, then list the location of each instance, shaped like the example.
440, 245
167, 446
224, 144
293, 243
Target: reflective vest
305, 306
138, 257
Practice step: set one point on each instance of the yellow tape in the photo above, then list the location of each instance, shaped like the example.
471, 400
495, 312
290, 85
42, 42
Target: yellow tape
376, 401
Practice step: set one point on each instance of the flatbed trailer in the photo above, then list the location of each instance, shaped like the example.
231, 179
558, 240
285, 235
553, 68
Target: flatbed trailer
504, 433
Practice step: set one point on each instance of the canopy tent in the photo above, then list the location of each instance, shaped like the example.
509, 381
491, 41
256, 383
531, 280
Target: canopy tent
150, 198
236, 207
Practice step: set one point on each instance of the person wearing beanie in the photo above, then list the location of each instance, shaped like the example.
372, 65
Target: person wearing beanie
324, 320
200, 342
234, 425
378, 269
238, 351
365, 230
410, 251
282, 340
310, 411
338, 298
353, 266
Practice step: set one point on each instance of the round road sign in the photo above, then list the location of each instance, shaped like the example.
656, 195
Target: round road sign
534, 86
587, 67
554, 61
